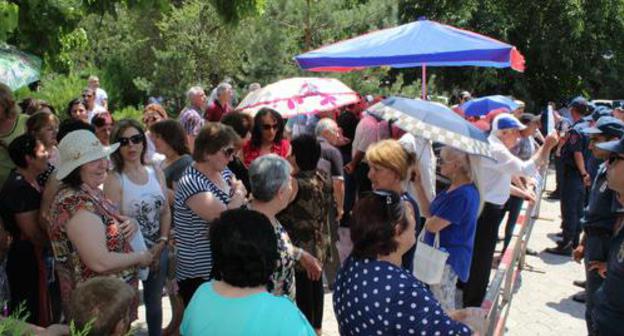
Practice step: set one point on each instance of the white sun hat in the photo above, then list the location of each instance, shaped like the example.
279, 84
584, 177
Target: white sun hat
80, 147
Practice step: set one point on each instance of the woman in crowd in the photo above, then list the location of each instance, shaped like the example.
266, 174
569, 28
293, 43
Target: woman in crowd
20, 200
103, 123
306, 220
267, 136
139, 190
152, 114
169, 140
374, 295
390, 166
244, 251
241, 123
77, 110
44, 127
273, 189
453, 213
89, 237
495, 177
206, 189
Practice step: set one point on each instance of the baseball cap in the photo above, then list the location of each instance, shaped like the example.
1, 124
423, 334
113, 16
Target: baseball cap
599, 111
506, 121
615, 146
607, 125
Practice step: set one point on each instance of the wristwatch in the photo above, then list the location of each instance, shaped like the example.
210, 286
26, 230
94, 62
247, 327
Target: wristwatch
163, 239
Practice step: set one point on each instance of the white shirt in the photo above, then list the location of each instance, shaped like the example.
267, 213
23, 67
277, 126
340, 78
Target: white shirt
495, 177
100, 96
368, 131
97, 109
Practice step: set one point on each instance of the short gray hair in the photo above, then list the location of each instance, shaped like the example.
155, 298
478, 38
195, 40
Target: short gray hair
193, 91
324, 124
221, 88
267, 175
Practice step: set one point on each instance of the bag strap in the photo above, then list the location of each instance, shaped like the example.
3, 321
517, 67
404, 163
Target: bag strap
436, 240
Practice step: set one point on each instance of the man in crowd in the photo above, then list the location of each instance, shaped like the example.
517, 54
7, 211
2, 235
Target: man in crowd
599, 217
92, 108
221, 104
191, 117
101, 98
575, 179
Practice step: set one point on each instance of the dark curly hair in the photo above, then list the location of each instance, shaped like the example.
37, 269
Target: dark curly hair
256, 131
373, 222
172, 133
244, 248
307, 151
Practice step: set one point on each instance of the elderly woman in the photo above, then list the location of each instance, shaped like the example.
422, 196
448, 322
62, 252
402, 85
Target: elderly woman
77, 110
495, 177
306, 220
89, 237
273, 189
20, 200
453, 214
139, 191
152, 114
374, 295
245, 254
267, 136
205, 190
390, 166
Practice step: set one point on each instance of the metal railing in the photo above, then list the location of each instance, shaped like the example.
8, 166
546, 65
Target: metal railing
499, 296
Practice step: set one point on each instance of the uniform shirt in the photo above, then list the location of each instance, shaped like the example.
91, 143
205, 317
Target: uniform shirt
599, 211
495, 176
576, 142
608, 311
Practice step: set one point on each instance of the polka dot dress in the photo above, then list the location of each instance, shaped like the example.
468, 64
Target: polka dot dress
378, 298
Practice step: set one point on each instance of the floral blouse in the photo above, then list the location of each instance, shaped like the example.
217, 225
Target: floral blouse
70, 267
282, 280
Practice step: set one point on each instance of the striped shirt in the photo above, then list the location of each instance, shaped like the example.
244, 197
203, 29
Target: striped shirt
194, 258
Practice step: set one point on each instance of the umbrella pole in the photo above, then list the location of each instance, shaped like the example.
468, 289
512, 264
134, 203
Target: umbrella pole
423, 82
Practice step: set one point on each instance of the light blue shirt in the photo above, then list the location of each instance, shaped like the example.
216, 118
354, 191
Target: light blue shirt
209, 313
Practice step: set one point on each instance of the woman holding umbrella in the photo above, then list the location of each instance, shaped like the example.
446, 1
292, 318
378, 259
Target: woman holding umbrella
267, 136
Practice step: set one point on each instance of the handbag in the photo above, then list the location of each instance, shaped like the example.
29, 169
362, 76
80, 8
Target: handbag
429, 261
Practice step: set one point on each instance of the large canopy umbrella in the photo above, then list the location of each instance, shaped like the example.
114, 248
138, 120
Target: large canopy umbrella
421, 43
18, 68
434, 122
297, 96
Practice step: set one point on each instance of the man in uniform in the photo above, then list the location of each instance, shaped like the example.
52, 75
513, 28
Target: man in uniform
575, 179
599, 218
608, 312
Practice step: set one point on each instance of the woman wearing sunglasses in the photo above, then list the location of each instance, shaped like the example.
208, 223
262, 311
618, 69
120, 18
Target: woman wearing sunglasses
374, 295
267, 136
205, 190
138, 190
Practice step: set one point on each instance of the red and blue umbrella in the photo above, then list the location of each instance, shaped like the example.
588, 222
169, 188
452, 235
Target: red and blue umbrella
483, 105
421, 43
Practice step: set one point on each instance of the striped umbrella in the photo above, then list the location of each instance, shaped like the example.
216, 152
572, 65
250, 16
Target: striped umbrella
433, 121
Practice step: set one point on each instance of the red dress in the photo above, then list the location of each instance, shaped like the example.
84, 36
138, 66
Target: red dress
250, 153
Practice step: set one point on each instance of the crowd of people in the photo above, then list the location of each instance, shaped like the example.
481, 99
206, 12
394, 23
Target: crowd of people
246, 220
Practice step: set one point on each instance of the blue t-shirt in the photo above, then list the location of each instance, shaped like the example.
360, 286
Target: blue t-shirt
209, 313
460, 207
375, 297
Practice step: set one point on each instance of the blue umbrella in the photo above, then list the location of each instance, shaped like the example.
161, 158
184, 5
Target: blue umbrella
484, 105
434, 122
417, 44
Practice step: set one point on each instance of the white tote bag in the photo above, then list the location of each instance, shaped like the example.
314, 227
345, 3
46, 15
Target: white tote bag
429, 261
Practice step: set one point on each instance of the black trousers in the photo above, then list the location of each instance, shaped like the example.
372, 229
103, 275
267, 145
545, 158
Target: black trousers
23, 276
596, 249
482, 255
310, 298
187, 287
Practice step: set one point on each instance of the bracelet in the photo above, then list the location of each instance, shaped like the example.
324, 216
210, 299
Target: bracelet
163, 239
298, 253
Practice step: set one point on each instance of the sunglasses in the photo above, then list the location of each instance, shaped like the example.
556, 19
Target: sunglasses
270, 127
135, 139
229, 151
614, 158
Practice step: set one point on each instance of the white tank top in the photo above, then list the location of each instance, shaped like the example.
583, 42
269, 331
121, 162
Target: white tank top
144, 203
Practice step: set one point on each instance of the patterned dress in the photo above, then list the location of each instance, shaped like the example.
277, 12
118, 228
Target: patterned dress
70, 268
283, 278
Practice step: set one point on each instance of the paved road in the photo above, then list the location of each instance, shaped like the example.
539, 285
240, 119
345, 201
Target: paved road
542, 304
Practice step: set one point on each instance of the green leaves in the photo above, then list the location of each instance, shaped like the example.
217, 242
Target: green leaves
8, 19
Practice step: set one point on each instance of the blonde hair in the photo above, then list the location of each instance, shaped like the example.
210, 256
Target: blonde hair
391, 155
